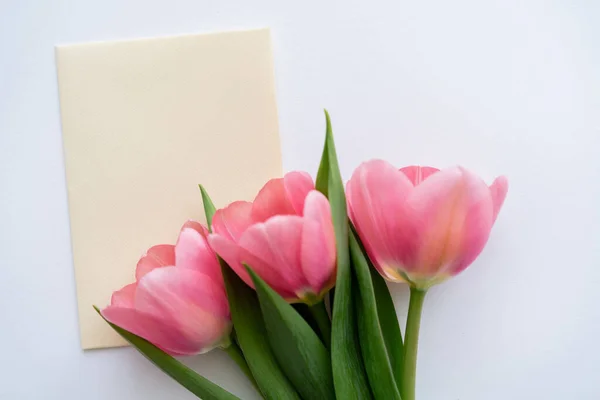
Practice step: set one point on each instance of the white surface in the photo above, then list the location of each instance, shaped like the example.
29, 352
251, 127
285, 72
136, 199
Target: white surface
506, 87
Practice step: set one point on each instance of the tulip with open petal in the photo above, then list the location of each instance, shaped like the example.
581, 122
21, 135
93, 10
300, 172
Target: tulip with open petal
286, 236
178, 301
421, 225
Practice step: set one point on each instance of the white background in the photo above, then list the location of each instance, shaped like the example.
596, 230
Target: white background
503, 87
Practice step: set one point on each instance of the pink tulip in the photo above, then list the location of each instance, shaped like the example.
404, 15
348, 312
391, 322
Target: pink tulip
286, 236
178, 301
419, 224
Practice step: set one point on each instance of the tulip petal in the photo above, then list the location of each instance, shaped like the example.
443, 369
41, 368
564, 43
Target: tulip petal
166, 288
318, 242
272, 249
438, 214
161, 255
376, 195
186, 300
124, 297
197, 226
192, 251
282, 196
297, 186
271, 200
230, 252
452, 213
417, 174
151, 328
478, 222
498, 189
233, 220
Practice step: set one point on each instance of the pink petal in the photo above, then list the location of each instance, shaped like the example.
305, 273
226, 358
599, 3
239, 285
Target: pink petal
318, 250
272, 200
498, 190
190, 301
197, 226
376, 195
231, 221
166, 288
478, 223
452, 215
167, 337
272, 250
418, 174
192, 251
124, 297
230, 253
161, 255
297, 186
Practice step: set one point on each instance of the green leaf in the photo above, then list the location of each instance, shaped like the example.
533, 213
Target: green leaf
252, 337
186, 377
349, 376
209, 207
388, 320
322, 183
235, 353
299, 350
374, 350
250, 331
319, 312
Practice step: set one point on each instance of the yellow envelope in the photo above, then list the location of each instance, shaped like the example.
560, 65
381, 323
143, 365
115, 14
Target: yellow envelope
144, 122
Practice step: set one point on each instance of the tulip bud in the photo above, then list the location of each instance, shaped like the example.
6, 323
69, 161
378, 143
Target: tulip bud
421, 225
286, 236
178, 301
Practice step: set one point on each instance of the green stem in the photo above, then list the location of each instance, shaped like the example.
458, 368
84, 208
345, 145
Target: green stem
411, 343
234, 351
319, 312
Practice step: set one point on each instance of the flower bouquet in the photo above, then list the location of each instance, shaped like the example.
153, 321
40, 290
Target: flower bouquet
292, 285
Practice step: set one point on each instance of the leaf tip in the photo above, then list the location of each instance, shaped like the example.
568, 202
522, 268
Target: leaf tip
99, 312
251, 272
259, 284
327, 119
209, 206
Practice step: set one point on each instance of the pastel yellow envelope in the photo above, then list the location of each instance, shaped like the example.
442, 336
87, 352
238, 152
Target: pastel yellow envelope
144, 122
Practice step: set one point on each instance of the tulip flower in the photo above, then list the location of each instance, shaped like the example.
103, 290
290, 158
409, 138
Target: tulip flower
421, 225
286, 236
178, 300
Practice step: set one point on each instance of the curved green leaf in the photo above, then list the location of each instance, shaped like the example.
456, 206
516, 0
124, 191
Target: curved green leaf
235, 353
322, 182
299, 350
209, 207
249, 328
388, 320
349, 376
374, 350
252, 336
186, 377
